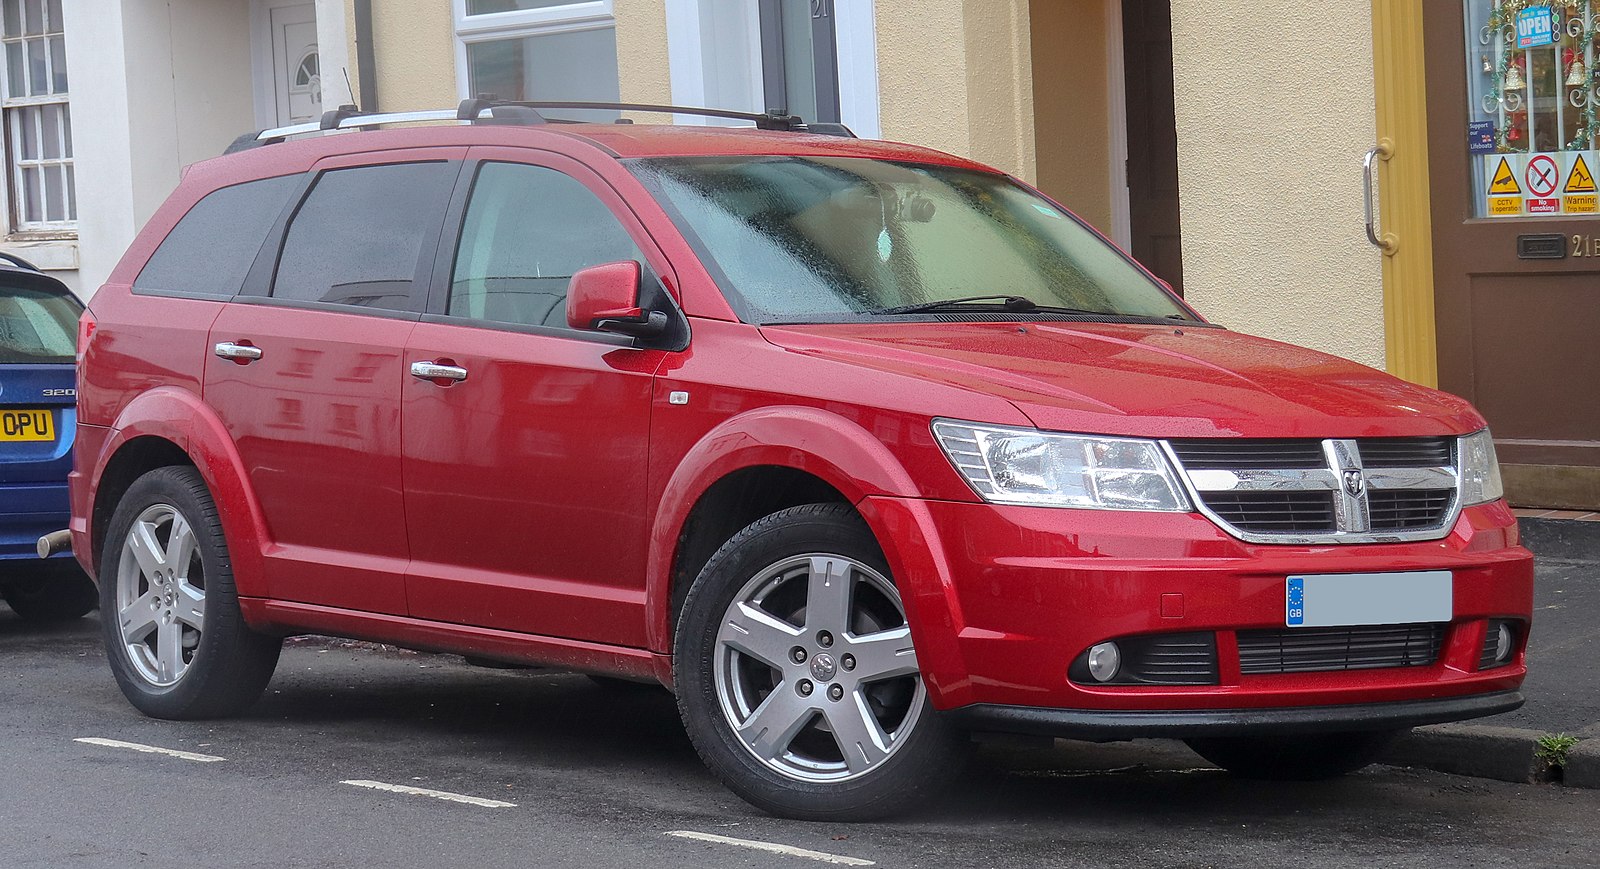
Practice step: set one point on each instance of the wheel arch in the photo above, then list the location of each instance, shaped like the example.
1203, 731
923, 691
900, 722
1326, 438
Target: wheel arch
751, 466
172, 426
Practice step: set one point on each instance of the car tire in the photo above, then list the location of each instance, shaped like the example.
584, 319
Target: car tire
52, 591
810, 578
1308, 757
177, 643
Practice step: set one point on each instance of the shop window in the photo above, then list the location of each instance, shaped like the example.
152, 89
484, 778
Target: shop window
38, 121
1534, 113
539, 50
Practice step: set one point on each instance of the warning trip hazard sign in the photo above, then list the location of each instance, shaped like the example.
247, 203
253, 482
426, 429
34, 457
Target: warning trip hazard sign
1579, 195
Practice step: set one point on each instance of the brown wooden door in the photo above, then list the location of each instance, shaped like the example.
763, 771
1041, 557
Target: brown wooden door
1519, 337
1152, 138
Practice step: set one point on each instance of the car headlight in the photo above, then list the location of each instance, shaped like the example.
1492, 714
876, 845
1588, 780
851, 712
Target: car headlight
1027, 466
1480, 470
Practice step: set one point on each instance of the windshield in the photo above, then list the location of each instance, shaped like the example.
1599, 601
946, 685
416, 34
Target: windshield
37, 326
830, 239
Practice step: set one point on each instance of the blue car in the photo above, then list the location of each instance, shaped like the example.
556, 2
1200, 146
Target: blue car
38, 419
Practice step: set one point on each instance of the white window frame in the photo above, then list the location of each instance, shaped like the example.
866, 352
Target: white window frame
517, 24
692, 56
14, 223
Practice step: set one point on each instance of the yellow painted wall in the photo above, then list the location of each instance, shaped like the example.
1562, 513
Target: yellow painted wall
1070, 105
957, 76
414, 52
1272, 125
642, 66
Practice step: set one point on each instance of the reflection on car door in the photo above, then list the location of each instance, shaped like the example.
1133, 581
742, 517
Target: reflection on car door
525, 480
307, 376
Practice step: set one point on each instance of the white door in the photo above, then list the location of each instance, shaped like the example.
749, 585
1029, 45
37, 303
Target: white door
296, 73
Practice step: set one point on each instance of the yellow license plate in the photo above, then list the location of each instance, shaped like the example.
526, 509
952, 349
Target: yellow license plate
26, 425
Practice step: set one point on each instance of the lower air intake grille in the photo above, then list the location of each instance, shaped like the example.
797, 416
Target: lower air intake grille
1315, 650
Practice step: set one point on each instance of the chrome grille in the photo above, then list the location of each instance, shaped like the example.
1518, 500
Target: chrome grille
1365, 490
1315, 650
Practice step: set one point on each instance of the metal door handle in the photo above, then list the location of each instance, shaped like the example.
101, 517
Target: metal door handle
1385, 243
237, 352
435, 371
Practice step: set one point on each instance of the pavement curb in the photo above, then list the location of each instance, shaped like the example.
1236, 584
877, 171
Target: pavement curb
1561, 539
1582, 769
1480, 750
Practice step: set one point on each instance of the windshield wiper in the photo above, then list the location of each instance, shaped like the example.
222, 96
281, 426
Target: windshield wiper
1009, 303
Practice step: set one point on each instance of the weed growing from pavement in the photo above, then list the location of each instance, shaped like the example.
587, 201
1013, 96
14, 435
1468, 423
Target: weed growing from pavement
1553, 748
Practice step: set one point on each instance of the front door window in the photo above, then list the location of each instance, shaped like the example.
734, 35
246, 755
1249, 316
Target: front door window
1534, 106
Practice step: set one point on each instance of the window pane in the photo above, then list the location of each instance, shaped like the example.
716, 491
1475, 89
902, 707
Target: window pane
54, 24
58, 64
72, 193
28, 120
359, 233
50, 116
38, 77
528, 229
16, 70
37, 326
55, 193
488, 7
13, 20
31, 210
35, 17
211, 249
66, 124
580, 65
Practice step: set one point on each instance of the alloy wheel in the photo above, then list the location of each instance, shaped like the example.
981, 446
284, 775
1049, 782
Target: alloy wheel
814, 668
161, 595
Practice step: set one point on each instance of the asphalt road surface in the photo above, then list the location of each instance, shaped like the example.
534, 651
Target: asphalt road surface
595, 777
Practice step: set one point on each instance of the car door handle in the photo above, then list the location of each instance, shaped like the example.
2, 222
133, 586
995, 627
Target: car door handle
436, 371
240, 353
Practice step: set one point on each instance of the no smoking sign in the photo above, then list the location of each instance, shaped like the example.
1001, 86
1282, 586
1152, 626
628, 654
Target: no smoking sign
1543, 175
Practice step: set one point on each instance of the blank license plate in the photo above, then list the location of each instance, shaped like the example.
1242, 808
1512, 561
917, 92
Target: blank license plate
26, 425
1347, 599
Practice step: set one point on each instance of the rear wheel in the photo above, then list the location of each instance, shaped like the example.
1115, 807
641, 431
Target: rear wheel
1308, 757
796, 675
49, 591
178, 646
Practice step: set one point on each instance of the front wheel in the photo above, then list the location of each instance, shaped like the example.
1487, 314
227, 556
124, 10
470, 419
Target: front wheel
177, 643
797, 679
1310, 757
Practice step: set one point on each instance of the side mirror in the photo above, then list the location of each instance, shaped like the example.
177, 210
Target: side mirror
605, 298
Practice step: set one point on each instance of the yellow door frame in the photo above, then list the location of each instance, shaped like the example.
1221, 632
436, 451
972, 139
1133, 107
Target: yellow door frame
1398, 68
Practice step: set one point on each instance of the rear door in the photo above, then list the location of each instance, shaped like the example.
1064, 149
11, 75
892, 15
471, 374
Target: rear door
38, 337
306, 374
525, 481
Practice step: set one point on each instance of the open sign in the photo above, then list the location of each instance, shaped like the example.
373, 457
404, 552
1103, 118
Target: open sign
1535, 27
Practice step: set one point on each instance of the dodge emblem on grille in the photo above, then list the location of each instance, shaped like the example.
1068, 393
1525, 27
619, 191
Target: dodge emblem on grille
1355, 483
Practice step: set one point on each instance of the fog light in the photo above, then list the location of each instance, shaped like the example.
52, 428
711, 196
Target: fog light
1503, 640
1104, 660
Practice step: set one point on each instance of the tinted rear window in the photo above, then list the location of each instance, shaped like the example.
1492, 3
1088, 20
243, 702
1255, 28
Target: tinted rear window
212, 248
37, 326
358, 237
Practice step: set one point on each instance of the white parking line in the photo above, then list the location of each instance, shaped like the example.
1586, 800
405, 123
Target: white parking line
424, 792
773, 847
150, 749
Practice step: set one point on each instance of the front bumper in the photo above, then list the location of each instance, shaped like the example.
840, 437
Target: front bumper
1001, 600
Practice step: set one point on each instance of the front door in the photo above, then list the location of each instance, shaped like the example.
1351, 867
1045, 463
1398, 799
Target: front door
525, 479
296, 71
1514, 148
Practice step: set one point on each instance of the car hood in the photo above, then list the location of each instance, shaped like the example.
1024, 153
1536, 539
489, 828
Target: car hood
1143, 380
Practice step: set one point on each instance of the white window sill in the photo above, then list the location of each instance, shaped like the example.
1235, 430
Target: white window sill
50, 255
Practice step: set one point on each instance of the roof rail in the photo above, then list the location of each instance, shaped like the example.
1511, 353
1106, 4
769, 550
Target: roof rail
473, 110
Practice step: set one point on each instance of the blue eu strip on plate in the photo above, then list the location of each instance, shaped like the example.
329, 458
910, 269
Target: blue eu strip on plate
1295, 605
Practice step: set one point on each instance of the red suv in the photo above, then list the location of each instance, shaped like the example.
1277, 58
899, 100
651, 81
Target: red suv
860, 447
